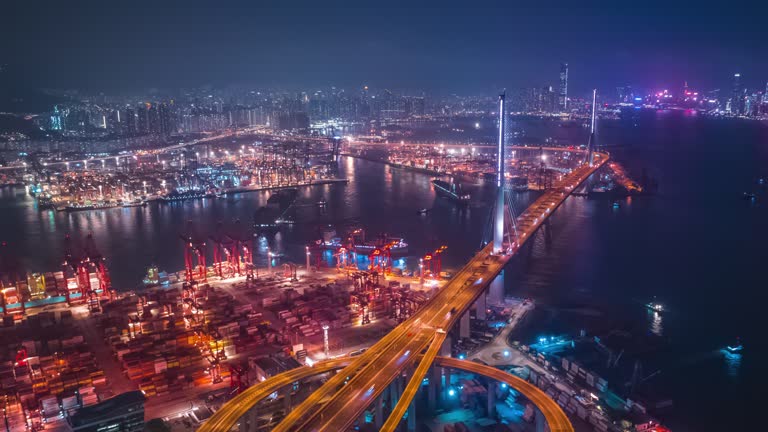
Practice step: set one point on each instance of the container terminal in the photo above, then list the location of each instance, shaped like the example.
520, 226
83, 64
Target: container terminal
70, 341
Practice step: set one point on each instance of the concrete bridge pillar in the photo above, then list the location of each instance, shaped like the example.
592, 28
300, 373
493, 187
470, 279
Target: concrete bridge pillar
248, 421
435, 378
496, 292
287, 399
464, 325
541, 422
398, 390
480, 307
379, 416
447, 373
445, 349
492, 399
412, 416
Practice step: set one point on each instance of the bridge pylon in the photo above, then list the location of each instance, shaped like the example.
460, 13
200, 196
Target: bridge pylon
498, 218
592, 131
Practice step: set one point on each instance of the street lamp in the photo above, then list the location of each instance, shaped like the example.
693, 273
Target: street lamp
325, 339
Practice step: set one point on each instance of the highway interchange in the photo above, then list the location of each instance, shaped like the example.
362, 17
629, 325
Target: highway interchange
344, 397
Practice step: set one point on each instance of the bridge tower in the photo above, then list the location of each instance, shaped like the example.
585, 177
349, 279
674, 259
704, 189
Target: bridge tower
498, 219
496, 291
592, 130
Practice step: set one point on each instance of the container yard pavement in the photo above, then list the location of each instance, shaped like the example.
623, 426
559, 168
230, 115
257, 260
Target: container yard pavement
118, 382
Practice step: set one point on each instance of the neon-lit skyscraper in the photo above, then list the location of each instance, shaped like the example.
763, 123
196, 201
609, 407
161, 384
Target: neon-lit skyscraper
563, 100
56, 119
737, 98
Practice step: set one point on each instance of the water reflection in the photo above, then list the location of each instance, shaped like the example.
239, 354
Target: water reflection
655, 323
732, 362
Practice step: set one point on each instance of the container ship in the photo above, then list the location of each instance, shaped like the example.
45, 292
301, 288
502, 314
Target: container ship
98, 205
187, 195
282, 198
452, 191
356, 242
82, 279
519, 183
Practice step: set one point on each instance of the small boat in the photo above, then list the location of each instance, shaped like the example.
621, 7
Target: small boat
749, 196
423, 211
322, 202
735, 348
616, 204
655, 306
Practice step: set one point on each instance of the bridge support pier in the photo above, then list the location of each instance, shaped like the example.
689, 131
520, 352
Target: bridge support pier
496, 291
379, 408
541, 422
480, 307
287, 399
447, 373
398, 389
492, 399
248, 421
412, 416
464, 325
435, 384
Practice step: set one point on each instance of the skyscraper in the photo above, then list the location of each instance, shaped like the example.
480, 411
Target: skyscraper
737, 97
563, 100
56, 119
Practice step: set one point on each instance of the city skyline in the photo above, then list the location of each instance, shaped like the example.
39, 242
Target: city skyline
91, 47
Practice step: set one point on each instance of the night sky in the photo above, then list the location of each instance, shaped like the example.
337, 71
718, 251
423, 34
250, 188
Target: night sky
441, 46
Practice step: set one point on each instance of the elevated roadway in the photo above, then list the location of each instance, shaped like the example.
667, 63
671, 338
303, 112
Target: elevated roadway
227, 418
342, 399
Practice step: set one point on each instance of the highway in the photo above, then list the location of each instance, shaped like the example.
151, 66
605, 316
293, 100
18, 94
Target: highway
340, 401
556, 418
130, 154
414, 384
226, 419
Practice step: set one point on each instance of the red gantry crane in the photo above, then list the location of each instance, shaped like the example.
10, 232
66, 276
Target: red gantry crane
194, 256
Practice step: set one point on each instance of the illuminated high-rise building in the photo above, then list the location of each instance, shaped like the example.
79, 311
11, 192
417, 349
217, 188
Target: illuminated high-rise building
737, 97
563, 100
56, 119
